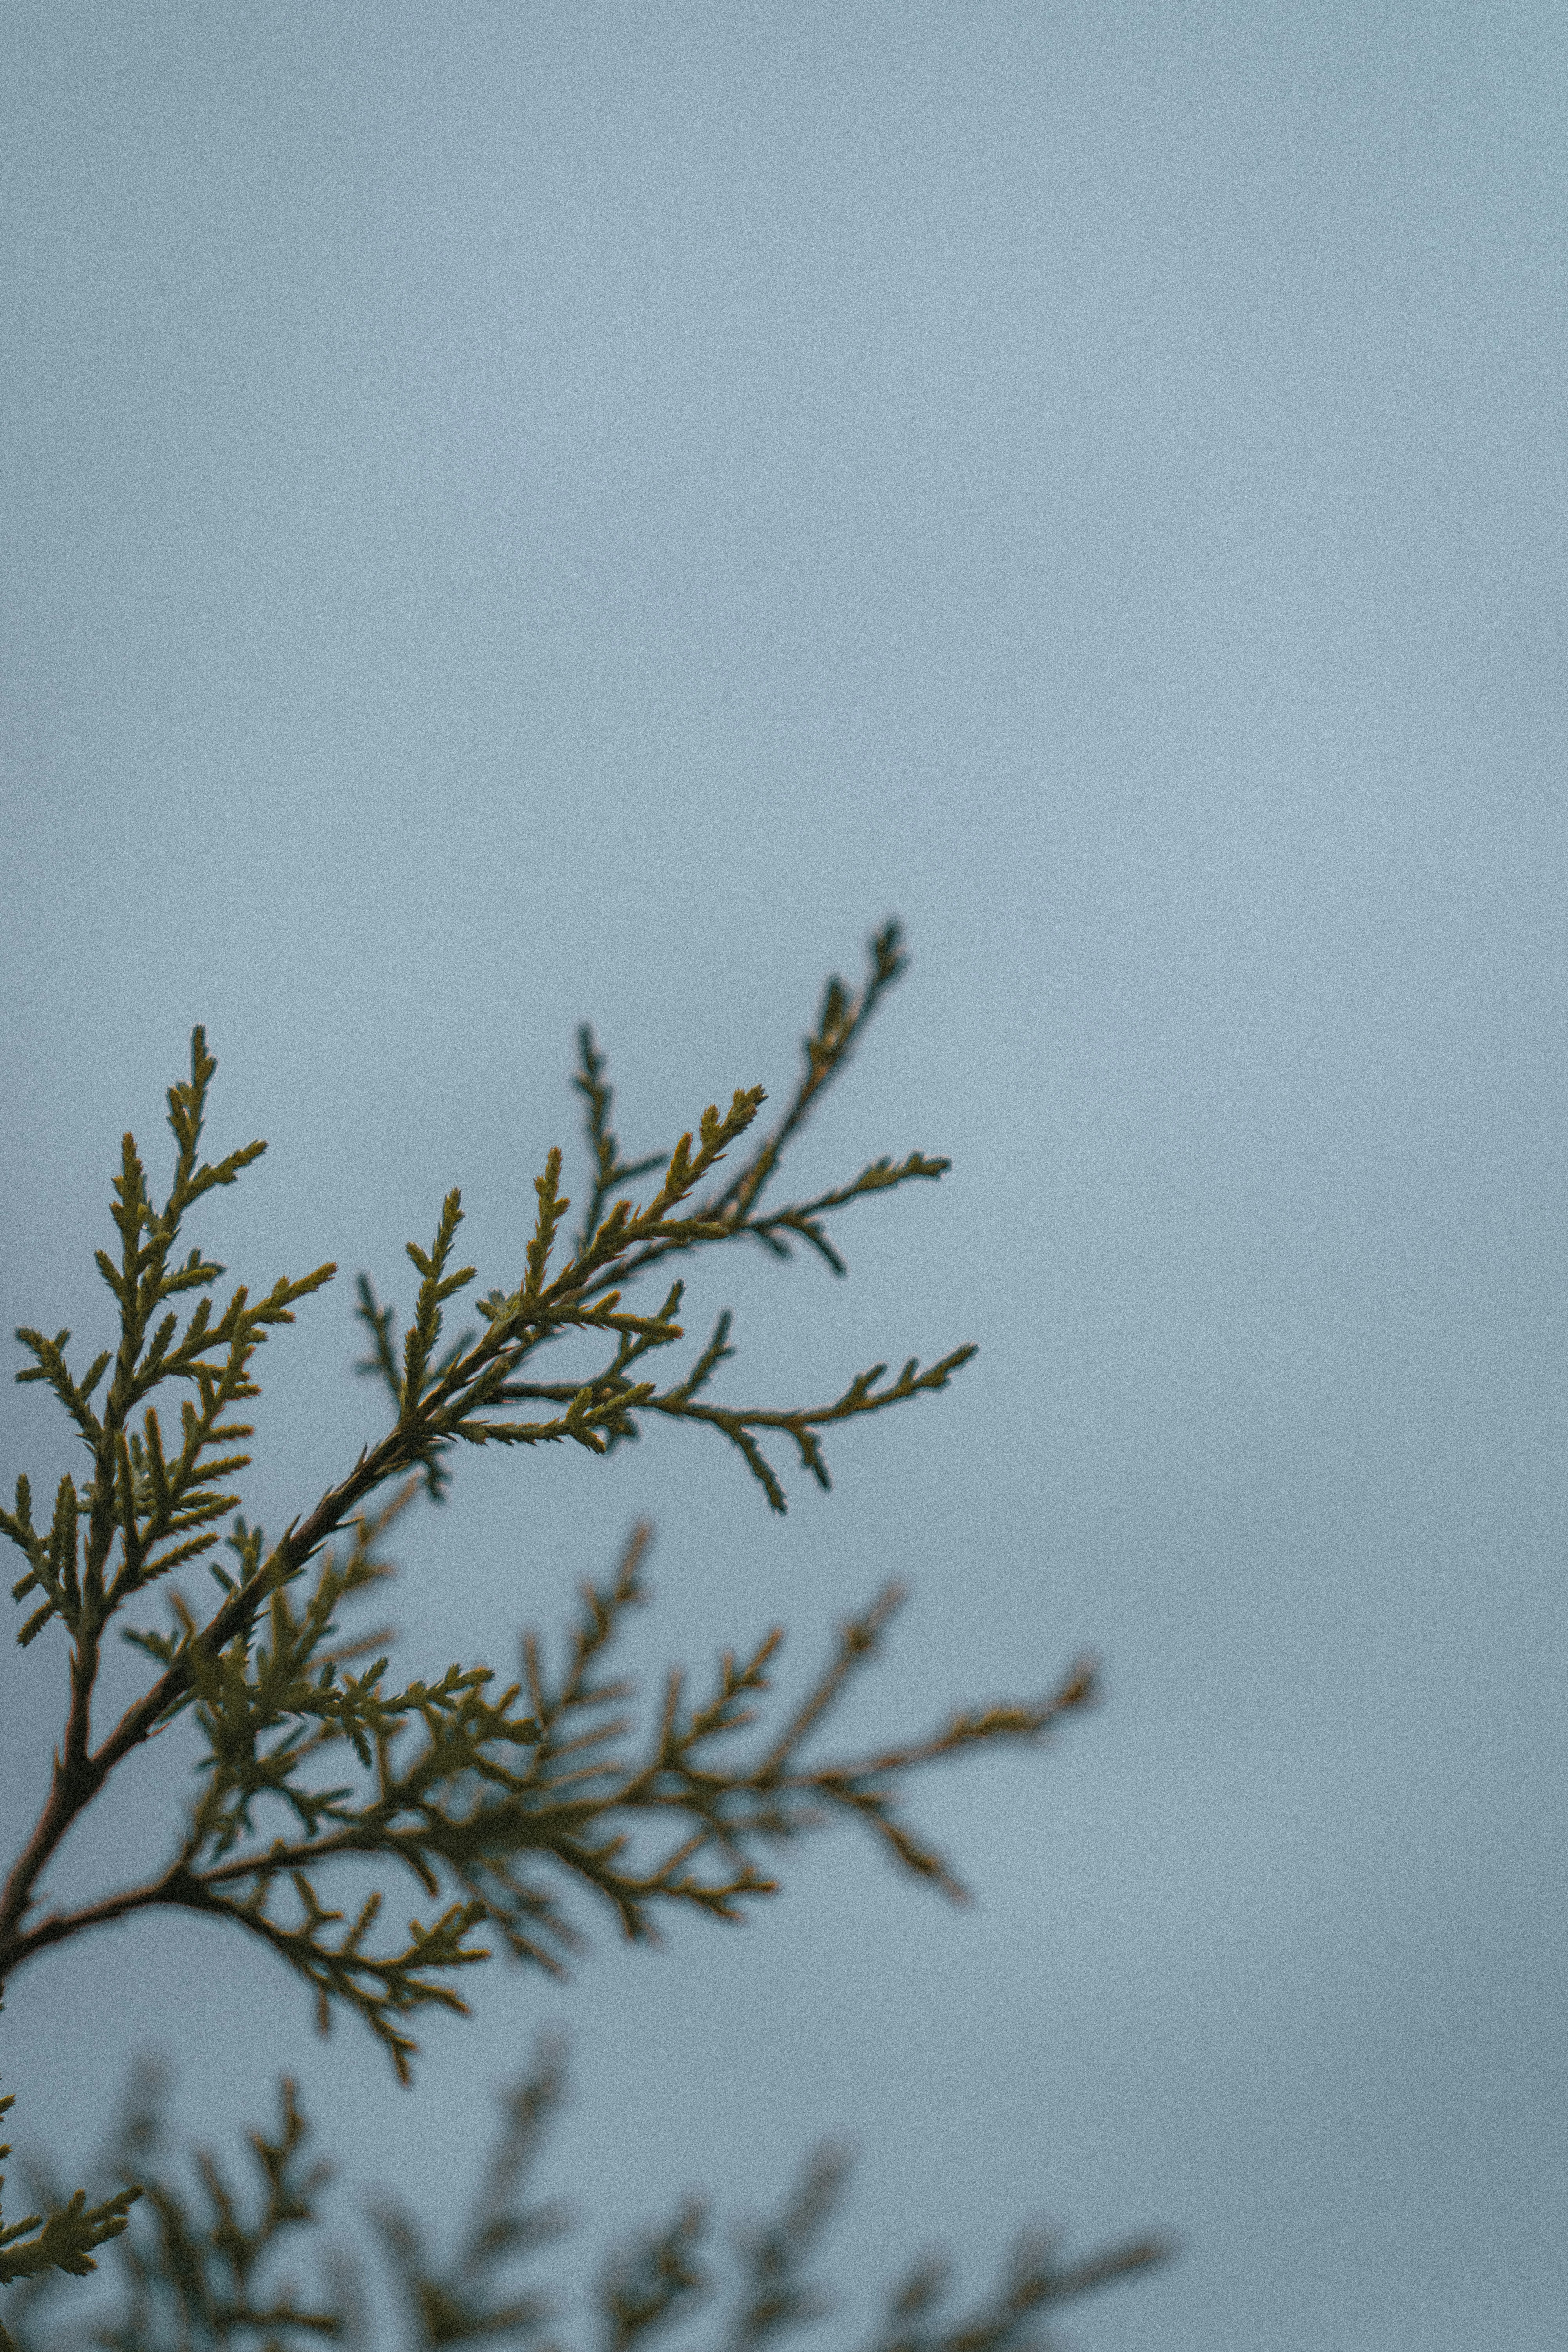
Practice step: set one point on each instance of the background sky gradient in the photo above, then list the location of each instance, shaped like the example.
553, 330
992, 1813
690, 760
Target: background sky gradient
513, 514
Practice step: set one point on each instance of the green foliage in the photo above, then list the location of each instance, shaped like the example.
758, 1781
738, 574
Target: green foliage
497, 1797
199, 2270
202, 2269
63, 2241
501, 1802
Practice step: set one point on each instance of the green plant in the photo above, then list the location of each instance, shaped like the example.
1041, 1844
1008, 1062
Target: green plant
498, 1802
208, 2268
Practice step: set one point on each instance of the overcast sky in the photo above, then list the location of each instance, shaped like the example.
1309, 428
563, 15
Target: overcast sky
514, 514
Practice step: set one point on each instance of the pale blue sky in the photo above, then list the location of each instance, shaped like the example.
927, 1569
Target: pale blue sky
512, 514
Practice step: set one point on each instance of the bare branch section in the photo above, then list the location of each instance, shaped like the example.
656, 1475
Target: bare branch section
200, 2265
499, 1802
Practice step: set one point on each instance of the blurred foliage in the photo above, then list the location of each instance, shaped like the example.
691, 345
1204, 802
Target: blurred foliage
203, 2266
61, 2240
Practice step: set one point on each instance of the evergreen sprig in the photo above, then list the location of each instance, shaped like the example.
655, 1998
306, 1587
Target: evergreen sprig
461, 1399
199, 2270
63, 2240
498, 1802
506, 1799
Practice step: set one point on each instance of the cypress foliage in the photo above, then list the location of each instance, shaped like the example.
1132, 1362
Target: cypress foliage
507, 1806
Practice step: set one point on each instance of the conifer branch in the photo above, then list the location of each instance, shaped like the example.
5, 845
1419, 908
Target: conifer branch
500, 1801
199, 2272
510, 1798
63, 2241
202, 2268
